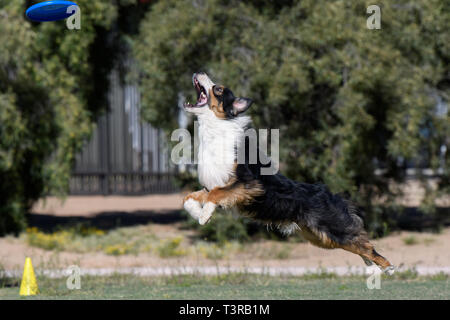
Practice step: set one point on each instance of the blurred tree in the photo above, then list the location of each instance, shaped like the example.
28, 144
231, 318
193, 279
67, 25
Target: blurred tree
348, 100
47, 101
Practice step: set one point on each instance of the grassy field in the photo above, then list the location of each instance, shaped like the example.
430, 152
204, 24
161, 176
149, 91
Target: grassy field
236, 286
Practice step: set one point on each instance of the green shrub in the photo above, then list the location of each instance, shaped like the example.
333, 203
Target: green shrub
217, 251
227, 227
283, 253
224, 227
171, 248
84, 230
41, 129
48, 241
410, 240
118, 249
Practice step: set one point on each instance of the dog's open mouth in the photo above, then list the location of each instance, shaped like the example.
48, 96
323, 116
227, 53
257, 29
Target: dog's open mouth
202, 98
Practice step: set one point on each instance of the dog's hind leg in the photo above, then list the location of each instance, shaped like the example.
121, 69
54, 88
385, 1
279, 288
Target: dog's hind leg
366, 250
367, 261
360, 246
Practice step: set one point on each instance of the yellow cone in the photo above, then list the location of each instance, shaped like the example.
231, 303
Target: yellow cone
29, 285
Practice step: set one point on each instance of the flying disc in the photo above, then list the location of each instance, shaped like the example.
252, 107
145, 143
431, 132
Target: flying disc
50, 10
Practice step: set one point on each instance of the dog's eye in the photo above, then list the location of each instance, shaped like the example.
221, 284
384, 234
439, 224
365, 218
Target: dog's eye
218, 90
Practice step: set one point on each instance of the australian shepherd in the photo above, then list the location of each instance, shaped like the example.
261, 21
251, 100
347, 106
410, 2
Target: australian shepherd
326, 220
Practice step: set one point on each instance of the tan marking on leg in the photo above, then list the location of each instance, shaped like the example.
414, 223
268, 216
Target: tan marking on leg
366, 249
360, 246
199, 196
235, 194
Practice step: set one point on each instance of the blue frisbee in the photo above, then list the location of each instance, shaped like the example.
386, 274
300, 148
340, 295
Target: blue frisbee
50, 10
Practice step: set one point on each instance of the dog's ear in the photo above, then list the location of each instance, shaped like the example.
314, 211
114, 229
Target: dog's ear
240, 105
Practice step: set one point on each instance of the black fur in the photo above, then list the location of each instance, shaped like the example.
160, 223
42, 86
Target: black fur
227, 98
309, 205
325, 219
285, 201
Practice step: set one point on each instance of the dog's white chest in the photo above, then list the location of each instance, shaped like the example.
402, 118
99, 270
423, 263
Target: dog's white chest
216, 153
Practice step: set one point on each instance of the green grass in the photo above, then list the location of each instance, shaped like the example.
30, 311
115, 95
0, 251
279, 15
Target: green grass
237, 286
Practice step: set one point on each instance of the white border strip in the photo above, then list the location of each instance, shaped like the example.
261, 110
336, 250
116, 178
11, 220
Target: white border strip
271, 271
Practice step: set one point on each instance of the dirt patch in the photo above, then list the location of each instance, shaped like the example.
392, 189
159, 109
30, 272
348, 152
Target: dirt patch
93, 205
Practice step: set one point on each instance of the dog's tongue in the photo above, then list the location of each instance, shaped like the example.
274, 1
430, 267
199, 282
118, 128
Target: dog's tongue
202, 99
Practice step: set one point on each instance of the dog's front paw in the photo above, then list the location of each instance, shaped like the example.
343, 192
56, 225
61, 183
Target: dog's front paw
389, 270
194, 208
204, 219
207, 212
